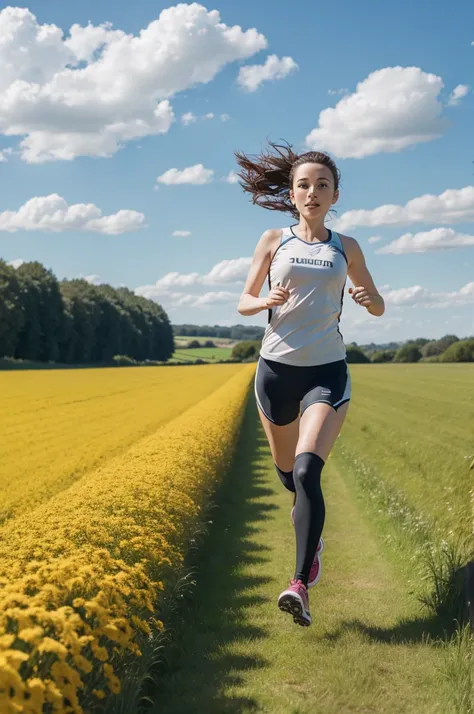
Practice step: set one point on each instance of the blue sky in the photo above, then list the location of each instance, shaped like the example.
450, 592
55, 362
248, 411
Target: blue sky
387, 89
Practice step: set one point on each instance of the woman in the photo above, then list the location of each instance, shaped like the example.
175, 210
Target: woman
302, 382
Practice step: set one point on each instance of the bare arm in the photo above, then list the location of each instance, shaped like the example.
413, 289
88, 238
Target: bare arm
250, 303
364, 292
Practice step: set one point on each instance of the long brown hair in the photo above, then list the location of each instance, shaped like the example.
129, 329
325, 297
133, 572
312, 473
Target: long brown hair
268, 177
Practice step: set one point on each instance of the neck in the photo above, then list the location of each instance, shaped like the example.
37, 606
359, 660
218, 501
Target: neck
313, 230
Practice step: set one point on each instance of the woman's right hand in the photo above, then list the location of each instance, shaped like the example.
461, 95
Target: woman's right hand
278, 295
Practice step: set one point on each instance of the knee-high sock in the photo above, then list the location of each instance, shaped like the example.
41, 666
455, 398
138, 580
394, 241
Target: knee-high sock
286, 478
310, 511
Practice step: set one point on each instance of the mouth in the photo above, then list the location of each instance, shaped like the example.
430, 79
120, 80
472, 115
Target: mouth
312, 205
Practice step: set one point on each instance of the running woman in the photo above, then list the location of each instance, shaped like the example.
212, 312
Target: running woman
302, 382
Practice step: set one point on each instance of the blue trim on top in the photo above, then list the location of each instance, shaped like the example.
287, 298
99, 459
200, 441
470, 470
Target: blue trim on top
314, 242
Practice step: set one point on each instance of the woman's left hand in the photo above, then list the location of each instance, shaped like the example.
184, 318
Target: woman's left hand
361, 296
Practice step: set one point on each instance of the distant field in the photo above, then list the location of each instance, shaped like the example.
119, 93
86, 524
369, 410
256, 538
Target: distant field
187, 338
58, 425
410, 428
205, 353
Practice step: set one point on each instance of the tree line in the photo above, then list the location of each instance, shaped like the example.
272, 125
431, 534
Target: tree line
447, 349
73, 322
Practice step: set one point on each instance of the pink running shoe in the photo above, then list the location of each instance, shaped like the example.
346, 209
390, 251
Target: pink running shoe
317, 567
295, 600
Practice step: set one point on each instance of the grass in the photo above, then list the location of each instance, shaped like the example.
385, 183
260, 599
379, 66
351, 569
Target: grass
222, 340
372, 647
205, 353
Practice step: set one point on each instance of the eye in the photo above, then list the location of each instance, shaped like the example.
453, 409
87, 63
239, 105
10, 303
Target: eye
323, 185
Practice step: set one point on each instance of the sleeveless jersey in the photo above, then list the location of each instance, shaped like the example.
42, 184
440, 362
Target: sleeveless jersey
304, 331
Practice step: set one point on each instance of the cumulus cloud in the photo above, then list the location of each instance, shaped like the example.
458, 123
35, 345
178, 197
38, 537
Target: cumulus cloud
52, 213
16, 262
226, 271
436, 239
181, 233
451, 206
176, 299
196, 174
343, 90
232, 177
391, 109
457, 94
209, 115
93, 279
252, 76
417, 296
375, 239
94, 90
225, 117
188, 118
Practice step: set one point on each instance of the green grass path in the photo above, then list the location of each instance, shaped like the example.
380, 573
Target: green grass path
366, 650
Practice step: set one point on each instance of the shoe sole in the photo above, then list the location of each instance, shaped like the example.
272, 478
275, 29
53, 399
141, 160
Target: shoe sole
292, 603
318, 577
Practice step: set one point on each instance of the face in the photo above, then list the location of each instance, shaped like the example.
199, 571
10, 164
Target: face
313, 191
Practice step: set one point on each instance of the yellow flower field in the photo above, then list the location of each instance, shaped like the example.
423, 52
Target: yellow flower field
81, 574
57, 425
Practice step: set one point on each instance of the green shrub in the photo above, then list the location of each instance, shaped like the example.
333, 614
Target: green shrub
408, 353
383, 356
462, 351
354, 355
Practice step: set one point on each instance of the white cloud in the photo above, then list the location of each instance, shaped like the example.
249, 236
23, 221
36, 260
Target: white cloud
209, 115
452, 206
391, 109
343, 90
98, 88
173, 300
252, 76
436, 239
52, 213
181, 233
375, 239
3, 157
188, 118
16, 262
226, 271
232, 177
457, 94
225, 117
417, 296
93, 279
196, 174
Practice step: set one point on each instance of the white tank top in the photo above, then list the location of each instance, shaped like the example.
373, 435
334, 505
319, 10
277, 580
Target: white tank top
304, 331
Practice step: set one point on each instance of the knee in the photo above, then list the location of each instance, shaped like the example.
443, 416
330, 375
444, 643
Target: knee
286, 477
307, 470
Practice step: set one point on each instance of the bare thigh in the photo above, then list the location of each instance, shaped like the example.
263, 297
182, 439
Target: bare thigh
282, 440
319, 428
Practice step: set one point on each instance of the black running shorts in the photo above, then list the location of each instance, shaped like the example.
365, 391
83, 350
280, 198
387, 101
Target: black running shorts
281, 390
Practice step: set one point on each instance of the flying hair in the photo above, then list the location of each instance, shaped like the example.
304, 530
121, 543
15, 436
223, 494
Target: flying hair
268, 176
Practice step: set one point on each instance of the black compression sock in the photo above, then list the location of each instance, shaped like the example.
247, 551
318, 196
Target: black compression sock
310, 511
286, 478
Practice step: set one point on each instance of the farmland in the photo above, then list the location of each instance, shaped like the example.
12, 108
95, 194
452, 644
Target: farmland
108, 473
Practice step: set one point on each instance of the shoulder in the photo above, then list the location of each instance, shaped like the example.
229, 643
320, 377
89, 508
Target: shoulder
270, 240
271, 235
351, 247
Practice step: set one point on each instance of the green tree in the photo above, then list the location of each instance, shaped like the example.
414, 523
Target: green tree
462, 351
437, 347
355, 355
11, 316
408, 353
382, 356
245, 349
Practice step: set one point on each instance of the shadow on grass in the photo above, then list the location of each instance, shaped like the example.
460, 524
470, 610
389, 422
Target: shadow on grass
420, 630
198, 664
